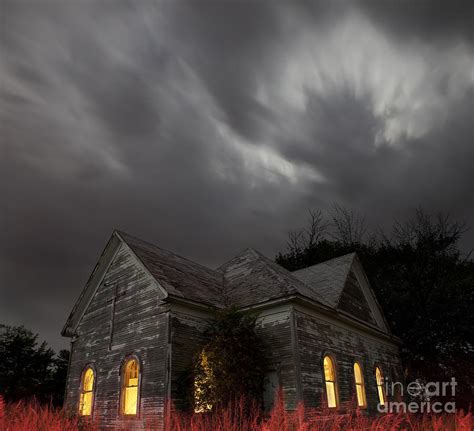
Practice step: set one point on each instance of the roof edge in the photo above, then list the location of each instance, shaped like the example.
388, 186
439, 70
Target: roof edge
336, 314
326, 261
145, 268
90, 286
122, 233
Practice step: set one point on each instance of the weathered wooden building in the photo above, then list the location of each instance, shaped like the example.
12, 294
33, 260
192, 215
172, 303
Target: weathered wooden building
139, 319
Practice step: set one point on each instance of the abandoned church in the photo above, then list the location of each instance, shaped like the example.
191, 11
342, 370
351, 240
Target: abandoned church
140, 316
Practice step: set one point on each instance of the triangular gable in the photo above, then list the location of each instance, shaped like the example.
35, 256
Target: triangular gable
342, 282
113, 246
358, 299
353, 301
327, 278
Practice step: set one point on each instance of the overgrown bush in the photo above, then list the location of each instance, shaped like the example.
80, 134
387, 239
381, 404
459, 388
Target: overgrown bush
231, 363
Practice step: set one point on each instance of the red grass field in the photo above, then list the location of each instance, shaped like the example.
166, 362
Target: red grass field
33, 417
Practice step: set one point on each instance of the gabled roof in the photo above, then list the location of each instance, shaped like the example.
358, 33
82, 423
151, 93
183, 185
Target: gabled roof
327, 278
172, 274
178, 275
331, 280
252, 278
246, 280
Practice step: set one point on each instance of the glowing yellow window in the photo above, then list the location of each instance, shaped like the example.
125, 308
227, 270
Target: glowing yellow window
330, 379
379, 380
87, 393
130, 387
360, 387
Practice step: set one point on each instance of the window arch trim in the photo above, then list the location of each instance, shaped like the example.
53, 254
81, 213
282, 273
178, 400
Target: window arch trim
331, 388
123, 391
379, 381
361, 394
82, 392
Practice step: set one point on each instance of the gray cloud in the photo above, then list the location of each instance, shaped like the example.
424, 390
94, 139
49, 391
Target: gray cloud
432, 20
210, 127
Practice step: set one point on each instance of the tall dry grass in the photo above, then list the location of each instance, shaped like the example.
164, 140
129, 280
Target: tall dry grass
30, 416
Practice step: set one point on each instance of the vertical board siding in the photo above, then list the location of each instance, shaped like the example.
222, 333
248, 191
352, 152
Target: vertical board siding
275, 329
139, 327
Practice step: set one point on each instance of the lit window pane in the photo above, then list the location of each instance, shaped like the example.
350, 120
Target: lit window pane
360, 395
381, 395
379, 380
378, 376
331, 393
328, 369
330, 378
87, 395
131, 397
86, 404
360, 388
130, 388
88, 380
357, 373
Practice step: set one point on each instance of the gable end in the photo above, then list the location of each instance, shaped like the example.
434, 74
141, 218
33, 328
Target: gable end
353, 301
113, 246
357, 276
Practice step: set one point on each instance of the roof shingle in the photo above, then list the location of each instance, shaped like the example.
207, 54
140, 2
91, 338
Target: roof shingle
249, 278
176, 274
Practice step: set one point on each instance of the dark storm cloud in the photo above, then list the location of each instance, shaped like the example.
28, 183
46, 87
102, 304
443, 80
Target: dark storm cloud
427, 19
211, 126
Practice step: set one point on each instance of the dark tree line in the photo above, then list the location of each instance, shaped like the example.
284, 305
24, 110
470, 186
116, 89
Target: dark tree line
30, 369
422, 280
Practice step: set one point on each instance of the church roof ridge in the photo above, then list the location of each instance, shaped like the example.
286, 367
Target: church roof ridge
352, 254
124, 234
249, 278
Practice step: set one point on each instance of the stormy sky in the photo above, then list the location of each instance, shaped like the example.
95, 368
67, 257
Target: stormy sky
207, 127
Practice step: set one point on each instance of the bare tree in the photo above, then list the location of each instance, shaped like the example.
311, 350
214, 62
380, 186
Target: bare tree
422, 228
316, 229
309, 236
295, 241
349, 227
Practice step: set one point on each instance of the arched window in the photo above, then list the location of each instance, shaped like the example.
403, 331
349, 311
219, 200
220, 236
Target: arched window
330, 379
379, 381
87, 392
130, 383
360, 386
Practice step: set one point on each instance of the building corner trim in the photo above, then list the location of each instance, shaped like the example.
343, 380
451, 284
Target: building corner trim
296, 356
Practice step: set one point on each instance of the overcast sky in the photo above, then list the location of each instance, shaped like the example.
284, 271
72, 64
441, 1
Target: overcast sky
209, 127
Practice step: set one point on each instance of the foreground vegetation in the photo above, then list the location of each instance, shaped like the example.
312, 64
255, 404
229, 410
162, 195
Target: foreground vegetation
23, 416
